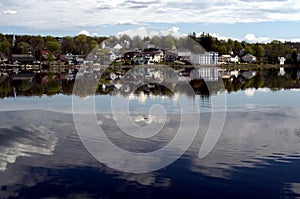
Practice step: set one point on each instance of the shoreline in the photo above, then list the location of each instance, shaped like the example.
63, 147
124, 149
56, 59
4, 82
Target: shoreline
223, 66
257, 66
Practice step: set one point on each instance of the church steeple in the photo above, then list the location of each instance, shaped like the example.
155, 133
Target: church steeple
14, 39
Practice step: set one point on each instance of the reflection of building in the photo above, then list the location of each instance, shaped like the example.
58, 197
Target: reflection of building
229, 74
208, 74
208, 58
248, 74
281, 72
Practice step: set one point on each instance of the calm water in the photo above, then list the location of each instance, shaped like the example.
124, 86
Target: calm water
256, 156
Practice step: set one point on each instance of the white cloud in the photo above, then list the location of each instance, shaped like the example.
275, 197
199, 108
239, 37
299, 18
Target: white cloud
145, 32
127, 22
250, 92
251, 38
10, 12
92, 13
84, 32
175, 32
221, 37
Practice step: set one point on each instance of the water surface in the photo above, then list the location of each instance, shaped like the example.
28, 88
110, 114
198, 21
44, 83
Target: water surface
256, 156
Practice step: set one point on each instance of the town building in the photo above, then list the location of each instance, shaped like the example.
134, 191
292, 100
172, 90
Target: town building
208, 58
281, 60
225, 59
22, 58
118, 47
249, 58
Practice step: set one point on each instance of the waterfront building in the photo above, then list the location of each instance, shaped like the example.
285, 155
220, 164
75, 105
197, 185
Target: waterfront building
208, 58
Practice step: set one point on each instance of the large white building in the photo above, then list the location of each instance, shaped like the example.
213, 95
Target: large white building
208, 58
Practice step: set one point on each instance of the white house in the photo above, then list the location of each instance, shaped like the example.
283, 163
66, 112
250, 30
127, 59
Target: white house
224, 59
117, 47
228, 59
158, 56
281, 60
249, 58
208, 58
234, 59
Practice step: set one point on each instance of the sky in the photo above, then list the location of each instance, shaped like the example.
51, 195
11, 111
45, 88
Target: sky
249, 20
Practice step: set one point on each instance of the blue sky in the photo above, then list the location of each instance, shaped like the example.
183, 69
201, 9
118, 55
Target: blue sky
251, 20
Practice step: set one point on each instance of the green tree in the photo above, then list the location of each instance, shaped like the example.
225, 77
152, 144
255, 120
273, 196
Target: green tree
206, 41
37, 42
168, 42
5, 46
53, 46
67, 45
222, 50
81, 46
137, 42
22, 48
249, 50
156, 40
230, 45
259, 51
294, 56
50, 38
237, 46
93, 44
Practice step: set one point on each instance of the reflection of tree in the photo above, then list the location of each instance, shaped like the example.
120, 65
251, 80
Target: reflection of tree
5, 88
37, 90
85, 87
67, 87
22, 86
53, 87
200, 87
264, 78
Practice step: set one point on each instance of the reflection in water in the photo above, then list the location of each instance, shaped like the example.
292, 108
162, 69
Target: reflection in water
253, 146
257, 155
146, 81
18, 142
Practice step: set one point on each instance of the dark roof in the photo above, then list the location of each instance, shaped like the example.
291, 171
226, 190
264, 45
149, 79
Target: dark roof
22, 58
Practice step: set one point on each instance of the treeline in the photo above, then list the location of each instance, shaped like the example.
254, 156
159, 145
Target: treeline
80, 45
266, 53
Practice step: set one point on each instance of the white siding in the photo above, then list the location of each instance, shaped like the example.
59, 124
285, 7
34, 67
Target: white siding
210, 58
